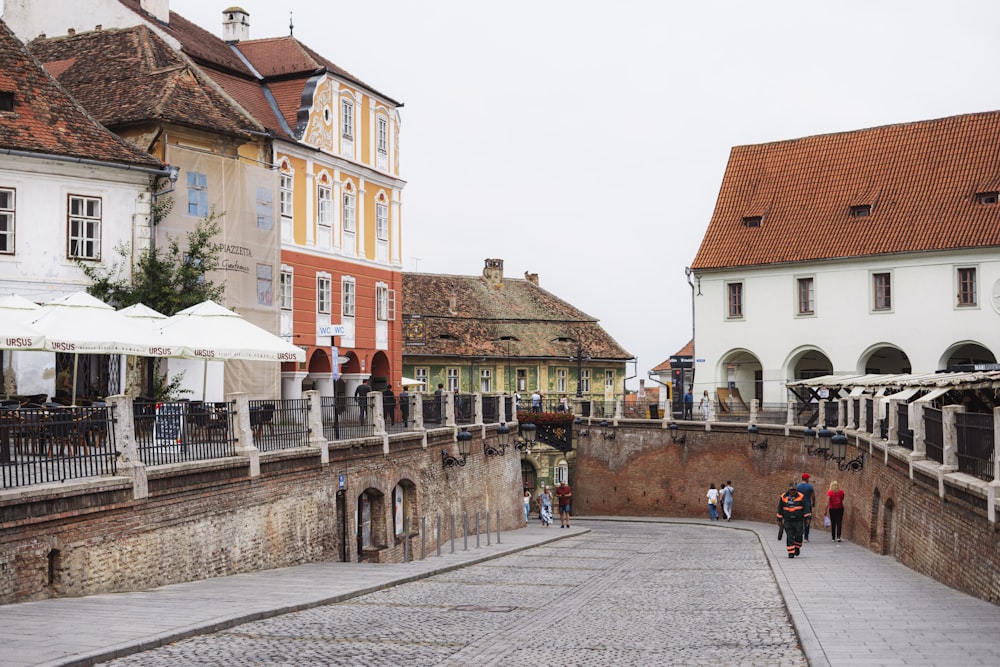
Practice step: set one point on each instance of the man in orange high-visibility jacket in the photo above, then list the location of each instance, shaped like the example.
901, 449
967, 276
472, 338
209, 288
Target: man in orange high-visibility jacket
793, 511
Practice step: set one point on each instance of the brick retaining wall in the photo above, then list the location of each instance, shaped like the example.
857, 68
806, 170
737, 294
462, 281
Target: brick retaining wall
212, 518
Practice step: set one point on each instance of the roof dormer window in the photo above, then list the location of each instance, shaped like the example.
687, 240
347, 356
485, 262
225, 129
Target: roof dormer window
752, 221
861, 211
987, 197
6, 100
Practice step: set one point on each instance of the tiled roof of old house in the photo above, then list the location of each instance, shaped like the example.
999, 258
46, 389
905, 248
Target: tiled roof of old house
45, 119
904, 188
129, 76
686, 351
473, 316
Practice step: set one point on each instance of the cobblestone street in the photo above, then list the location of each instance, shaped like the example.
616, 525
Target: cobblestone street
622, 594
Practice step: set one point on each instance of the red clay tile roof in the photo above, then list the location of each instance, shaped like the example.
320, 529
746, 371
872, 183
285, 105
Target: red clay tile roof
467, 316
277, 57
46, 119
199, 44
920, 180
129, 76
686, 351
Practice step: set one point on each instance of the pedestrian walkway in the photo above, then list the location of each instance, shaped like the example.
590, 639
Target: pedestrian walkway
848, 605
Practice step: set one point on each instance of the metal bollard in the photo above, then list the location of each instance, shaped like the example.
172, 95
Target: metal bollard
406, 539
439, 533
488, 535
423, 537
465, 530
477, 529
498, 526
453, 533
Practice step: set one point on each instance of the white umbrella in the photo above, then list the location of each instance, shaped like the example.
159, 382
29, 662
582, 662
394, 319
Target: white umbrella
210, 332
18, 335
17, 307
82, 324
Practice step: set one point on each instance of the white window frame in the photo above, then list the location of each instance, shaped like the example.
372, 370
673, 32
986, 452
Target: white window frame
287, 202
521, 379
347, 119
265, 285
350, 207
485, 380
265, 208
324, 295
324, 205
385, 303
83, 228
197, 194
8, 220
454, 377
286, 283
348, 296
585, 380
382, 134
382, 221
420, 374
609, 379
562, 376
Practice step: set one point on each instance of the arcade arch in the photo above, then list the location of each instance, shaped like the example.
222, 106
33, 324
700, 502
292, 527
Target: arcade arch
883, 358
966, 353
740, 379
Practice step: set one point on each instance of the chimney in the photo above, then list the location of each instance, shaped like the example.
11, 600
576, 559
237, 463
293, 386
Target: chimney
531, 278
235, 25
493, 272
160, 9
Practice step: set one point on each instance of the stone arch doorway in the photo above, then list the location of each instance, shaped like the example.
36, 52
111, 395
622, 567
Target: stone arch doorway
966, 353
883, 358
888, 545
404, 510
371, 524
806, 363
873, 519
740, 379
381, 371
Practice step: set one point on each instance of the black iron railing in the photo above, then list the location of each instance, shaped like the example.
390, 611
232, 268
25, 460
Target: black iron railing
975, 444
934, 434
903, 431
174, 432
40, 444
344, 418
280, 424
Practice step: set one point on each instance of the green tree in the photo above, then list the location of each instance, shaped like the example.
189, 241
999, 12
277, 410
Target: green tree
168, 279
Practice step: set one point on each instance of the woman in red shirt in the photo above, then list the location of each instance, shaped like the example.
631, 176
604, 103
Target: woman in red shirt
835, 508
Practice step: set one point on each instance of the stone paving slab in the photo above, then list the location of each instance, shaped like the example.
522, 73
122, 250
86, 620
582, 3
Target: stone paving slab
848, 605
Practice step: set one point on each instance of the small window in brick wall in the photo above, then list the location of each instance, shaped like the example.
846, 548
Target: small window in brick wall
6, 100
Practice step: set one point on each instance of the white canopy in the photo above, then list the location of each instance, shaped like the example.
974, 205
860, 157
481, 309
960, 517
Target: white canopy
209, 331
18, 335
18, 308
82, 324
409, 382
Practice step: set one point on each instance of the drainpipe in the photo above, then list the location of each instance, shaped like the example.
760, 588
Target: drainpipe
694, 364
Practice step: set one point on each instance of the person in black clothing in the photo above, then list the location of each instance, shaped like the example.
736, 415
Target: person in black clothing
361, 394
404, 406
389, 405
439, 402
793, 512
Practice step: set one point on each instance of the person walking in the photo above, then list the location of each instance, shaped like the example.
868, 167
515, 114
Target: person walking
545, 507
793, 512
703, 405
536, 401
404, 406
713, 502
389, 405
563, 495
727, 500
527, 504
807, 490
688, 404
361, 394
835, 510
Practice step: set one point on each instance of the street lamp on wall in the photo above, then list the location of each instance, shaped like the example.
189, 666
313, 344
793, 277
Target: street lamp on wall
526, 437
673, 434
464, 439
754, 445
503, 435
838, 452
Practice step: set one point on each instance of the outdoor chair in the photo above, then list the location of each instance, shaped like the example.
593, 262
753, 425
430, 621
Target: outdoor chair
262, 416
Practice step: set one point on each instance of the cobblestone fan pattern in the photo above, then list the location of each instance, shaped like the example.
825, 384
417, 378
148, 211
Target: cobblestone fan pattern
623, 594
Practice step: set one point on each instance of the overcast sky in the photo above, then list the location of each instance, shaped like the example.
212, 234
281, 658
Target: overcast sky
586, 141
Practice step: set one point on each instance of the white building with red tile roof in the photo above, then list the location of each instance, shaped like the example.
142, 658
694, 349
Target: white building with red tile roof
872, 251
